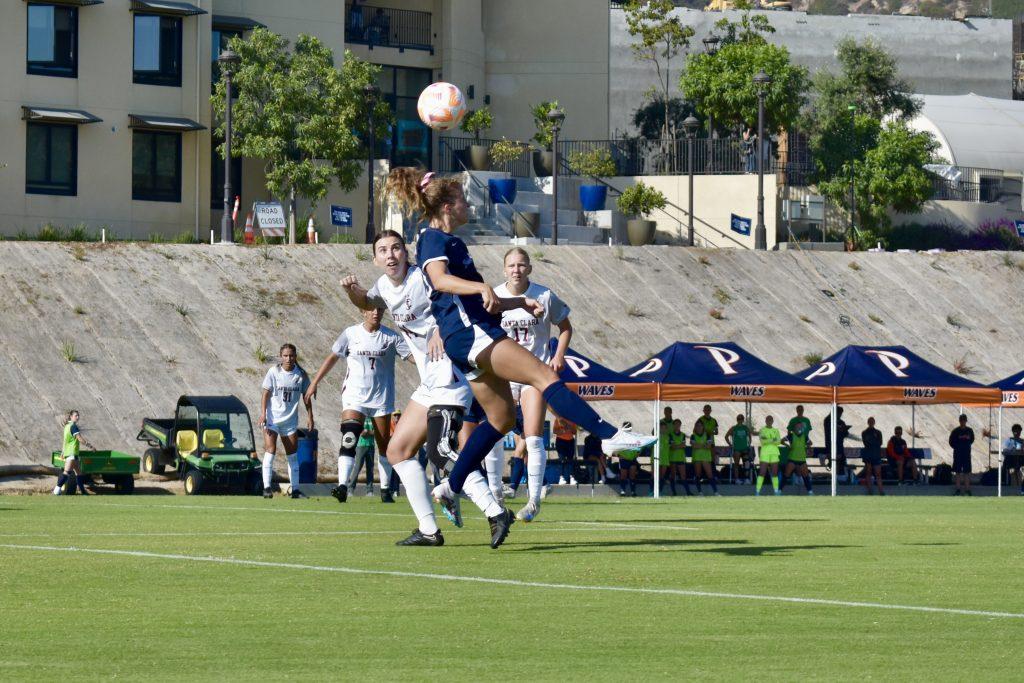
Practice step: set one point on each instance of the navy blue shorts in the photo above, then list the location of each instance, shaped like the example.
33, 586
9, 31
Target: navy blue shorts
871, 458
475, 414
464, 346
962, 463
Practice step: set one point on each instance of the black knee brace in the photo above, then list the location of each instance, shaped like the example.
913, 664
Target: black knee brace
350, 431
443, 426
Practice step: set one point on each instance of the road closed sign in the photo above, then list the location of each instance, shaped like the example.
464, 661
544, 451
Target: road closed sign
269, 216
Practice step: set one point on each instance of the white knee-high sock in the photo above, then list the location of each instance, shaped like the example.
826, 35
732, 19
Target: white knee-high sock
414, 479
268, 470
480, 493
536, 463
384, 470
293, 470
345, 465
494, 462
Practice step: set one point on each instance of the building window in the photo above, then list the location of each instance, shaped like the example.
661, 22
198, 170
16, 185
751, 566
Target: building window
409, 141
221, 38
157, 50
217, 176
52, 40
156, 166
51, 159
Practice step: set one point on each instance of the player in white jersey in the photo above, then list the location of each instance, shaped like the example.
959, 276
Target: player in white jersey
283, 387
369, 351
533, 334
437, 409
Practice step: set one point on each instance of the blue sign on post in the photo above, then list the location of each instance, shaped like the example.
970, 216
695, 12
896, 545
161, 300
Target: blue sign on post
341, 216
740, 224
1020, 228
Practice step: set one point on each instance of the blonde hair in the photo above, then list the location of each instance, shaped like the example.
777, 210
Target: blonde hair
516, 250
405, 185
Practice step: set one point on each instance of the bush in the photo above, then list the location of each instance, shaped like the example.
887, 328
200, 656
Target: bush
505, 151
596, 163
341, 238
545, 130
998, 235
476, 121
641, 200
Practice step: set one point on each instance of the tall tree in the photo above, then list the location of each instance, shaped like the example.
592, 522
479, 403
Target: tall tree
306, 119
660, 36
649, 118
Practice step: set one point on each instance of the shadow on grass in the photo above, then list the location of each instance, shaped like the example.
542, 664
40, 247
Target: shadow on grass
736, 548
737, 520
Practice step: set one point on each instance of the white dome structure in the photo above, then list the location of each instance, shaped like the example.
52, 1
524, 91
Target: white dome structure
972, 130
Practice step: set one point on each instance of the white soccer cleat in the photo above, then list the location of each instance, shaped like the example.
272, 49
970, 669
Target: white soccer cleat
529, 512
449, 503
56, 490
573, 482
624, 440
544, 491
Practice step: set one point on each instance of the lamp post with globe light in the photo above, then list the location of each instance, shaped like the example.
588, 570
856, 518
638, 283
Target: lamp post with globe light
556, 117
371, 92
762, 80
690, 125
711, 49
228, 61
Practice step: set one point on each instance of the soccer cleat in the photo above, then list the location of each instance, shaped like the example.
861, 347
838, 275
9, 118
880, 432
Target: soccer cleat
573, 482
622, 492
297, 494
386, 497
810, 493
57, 491
500, 525
449, 503
340, 492
507, 491
417, 537
267, 493
968, 492
544, 491
624, 440
529, 512
778, 493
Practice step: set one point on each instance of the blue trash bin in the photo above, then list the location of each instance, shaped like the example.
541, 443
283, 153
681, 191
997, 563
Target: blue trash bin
306, 456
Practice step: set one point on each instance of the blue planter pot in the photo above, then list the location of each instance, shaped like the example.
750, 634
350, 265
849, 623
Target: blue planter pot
502, 190
593, 197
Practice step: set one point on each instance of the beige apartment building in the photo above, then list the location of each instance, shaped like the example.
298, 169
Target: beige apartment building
105, 116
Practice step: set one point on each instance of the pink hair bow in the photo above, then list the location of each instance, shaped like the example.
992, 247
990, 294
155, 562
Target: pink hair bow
427, 177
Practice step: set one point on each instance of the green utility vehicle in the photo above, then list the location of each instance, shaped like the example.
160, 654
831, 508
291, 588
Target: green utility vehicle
110, 467
208, 443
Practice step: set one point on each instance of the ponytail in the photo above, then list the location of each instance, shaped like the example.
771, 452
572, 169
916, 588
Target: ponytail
417, 191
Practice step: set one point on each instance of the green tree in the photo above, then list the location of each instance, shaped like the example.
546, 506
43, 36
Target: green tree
305, 118
722, 85
889, 175
751, 28
649, 118
660, 36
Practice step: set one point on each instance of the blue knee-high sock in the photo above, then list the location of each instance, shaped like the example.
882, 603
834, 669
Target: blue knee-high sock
575, 409
807, 483
714, 485
518, 470
478, 445
62, 479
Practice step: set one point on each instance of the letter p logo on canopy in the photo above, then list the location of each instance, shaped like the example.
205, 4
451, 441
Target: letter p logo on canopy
578, 366
894, 362
725, 358
653, 365
827, 368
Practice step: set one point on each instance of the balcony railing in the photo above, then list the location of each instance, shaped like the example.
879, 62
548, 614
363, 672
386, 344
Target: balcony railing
968, 184
454, 153
388, 27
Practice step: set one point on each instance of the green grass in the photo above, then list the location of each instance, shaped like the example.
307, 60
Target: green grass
70, 614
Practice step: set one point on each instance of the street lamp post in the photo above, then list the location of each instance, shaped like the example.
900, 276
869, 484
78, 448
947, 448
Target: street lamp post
228, 61
853, 176
556, 117
690, 125
711, 49
762, 81
371, 92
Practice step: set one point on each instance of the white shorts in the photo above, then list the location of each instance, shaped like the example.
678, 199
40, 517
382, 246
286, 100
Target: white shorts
282, 428
517, 389
455, 394
370, 411
69, 458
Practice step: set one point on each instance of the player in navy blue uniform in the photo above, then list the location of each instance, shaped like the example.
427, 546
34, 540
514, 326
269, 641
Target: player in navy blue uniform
468, 315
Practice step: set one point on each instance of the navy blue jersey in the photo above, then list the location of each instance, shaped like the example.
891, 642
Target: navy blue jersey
452, 312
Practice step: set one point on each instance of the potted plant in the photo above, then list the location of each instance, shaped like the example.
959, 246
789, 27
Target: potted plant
543, 158
474, 122
595, 163
503, 190
639, 201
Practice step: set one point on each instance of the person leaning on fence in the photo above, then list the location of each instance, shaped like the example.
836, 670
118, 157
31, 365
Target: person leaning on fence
1013, 448
871, 455
899, 455
960, 440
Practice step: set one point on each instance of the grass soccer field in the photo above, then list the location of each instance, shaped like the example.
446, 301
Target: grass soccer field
782, 588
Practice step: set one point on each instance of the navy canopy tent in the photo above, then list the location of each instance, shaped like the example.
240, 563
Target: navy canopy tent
595, 382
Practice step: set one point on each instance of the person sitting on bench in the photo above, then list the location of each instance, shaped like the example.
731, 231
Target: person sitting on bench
899, 454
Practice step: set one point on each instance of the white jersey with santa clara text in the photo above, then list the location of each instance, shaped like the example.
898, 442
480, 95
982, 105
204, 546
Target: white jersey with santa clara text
530, 332
370, 366
409, 305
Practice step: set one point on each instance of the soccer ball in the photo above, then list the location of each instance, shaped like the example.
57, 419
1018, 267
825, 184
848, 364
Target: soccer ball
441, 106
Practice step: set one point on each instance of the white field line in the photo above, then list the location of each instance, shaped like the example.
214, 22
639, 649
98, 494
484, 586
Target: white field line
616, 525
203, 534
522, 584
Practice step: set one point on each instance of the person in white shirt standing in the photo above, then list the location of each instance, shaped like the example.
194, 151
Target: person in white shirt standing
440, 407
533, 334
284, 385
369, 351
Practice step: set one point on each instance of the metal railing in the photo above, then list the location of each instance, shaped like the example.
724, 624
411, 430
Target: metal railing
460, 165
974, 185
455, 157
388, 27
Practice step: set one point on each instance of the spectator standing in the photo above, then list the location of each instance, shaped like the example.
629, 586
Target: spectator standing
768, 457
677, 456
667, 419
1013, 448
899, 455
748, 146
565, 446
871, 454
701, 446
365, 451
799, 443
960, 440
842, 432
738, 438
710, 423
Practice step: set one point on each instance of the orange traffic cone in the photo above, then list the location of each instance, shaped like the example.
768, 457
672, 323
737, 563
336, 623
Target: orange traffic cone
250, 237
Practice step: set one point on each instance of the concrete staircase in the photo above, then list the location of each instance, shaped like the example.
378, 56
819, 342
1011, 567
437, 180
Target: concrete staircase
494, 223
